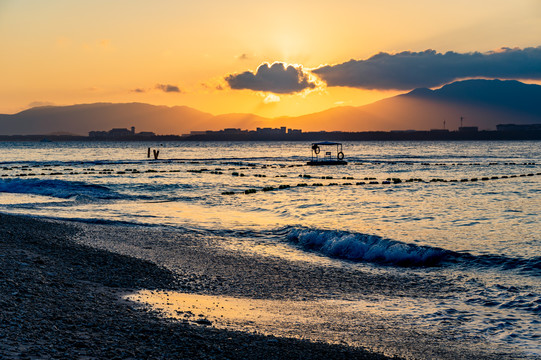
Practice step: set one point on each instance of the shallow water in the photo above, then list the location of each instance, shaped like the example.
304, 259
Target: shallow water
377, 325
482, 235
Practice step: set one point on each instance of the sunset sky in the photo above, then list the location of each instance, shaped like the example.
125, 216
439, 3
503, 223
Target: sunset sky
211, 54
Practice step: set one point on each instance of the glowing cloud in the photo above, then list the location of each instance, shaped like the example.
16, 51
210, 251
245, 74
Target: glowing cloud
271, 98
408, 70
276, 78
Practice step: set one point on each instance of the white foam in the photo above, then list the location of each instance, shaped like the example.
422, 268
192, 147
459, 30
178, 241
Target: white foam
363, 247
56, 188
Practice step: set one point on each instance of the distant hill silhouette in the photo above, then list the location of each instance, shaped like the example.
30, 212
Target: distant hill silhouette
482, 103
506, 95
80, 119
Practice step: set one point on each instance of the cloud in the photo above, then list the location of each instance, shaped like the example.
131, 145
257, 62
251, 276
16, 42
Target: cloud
213, 84
276, 78
243, 56
167, 88
139, 90
271, 98
408, 70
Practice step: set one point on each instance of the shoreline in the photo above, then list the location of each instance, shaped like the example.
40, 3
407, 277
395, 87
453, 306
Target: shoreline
60, 299
311, 136
62, 283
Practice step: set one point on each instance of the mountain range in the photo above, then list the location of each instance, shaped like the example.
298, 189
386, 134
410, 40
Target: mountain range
482, 103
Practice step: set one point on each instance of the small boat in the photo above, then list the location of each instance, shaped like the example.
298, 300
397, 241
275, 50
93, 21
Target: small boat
325, 148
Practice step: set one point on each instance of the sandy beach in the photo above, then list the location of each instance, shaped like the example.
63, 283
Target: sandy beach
63, 290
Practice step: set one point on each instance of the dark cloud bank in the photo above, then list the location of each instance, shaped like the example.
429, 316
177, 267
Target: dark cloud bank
408, 70
276, 78
168, 88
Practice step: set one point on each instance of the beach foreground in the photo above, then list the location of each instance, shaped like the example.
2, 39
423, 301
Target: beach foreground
62, 298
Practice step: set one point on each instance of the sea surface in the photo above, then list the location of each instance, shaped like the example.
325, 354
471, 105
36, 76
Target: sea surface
465, 212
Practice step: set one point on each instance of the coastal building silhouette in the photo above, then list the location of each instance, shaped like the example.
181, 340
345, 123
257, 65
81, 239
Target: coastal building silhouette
468, 129
515, 127
503, 132
119, 133
271, 131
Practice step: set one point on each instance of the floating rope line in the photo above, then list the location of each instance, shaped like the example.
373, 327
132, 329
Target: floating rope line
49, 170
442, 164
373, 181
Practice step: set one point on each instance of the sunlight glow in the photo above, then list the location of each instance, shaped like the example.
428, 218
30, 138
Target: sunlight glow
54, 52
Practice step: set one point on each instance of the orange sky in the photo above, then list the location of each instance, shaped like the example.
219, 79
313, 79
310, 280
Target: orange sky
67, 52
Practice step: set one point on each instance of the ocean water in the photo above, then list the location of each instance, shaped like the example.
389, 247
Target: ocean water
464, 212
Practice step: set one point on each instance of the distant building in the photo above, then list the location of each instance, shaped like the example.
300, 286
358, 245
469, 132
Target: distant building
514, 127
439, 131
294, 131
118, 132
468, 129
271, 131
198, 132
97, 134
231, 131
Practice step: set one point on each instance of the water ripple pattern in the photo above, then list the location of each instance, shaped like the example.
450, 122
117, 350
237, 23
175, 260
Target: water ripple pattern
466, 213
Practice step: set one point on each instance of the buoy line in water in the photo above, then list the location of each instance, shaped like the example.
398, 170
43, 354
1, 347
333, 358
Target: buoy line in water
442, 164
374, 181
27, 171
54, 170
247, 165
243, 166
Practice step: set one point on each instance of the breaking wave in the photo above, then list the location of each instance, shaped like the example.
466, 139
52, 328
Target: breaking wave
375, 249
58, 188
369, 248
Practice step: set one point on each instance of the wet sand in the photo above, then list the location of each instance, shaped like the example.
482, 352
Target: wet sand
59, 299
63, 289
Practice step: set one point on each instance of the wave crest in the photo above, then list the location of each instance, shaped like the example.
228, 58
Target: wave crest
369, 248
58, 188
